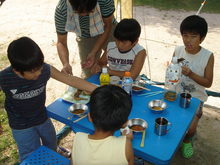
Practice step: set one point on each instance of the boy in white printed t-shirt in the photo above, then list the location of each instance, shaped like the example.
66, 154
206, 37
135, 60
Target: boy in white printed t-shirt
125, 54
197, 69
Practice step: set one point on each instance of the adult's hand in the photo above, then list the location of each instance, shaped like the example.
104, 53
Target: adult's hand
67, 68
90, 60
99, 43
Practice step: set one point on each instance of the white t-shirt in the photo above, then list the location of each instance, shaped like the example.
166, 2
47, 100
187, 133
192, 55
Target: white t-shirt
197, 63
108, 151
121, 61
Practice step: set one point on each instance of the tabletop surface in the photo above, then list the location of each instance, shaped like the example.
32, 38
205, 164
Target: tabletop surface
157, 149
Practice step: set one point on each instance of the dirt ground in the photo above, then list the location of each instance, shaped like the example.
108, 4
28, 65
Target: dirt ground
160, 34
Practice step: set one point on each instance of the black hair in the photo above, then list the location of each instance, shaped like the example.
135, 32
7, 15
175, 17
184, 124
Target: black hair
83, 5
194, 24
127, 29
110, 107
25, 55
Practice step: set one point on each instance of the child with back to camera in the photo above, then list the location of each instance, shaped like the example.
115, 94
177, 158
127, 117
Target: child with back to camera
24, 85
110, 107
125, 54
197, 70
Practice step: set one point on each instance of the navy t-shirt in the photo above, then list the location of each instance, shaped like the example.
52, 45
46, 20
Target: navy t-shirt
25, 99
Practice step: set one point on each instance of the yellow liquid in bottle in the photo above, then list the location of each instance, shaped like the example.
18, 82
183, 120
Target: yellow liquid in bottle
104, 79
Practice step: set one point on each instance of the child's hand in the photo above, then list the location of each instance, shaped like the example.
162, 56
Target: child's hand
130, 135
167, 63
86, 93
186, 71
127, 132
67, 69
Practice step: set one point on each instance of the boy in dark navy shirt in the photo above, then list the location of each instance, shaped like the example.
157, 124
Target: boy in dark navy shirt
24, 85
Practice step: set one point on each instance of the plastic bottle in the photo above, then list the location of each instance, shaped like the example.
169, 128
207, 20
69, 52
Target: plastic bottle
127, 82
172, 79
104, 77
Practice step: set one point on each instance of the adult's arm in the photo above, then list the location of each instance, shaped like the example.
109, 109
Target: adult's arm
97, 67
63, 53
60, 23
102, 39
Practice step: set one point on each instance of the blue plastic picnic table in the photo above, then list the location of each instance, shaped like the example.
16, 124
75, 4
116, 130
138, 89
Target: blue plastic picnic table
157, 149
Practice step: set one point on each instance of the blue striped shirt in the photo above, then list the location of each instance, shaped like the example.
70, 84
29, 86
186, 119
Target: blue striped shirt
25, 99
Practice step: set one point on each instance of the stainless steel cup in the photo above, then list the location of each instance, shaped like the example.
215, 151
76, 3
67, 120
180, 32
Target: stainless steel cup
161, 126
185, 99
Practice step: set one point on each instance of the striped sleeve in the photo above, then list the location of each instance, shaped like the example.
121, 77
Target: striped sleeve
107, 7
61, 17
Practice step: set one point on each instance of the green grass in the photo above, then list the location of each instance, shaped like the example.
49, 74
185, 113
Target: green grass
211, 6
8, 148
3, 61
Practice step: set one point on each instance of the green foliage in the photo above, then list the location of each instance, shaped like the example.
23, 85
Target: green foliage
211, 6
2, 99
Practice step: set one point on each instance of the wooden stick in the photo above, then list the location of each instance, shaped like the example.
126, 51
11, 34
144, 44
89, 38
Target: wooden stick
80, 118
135, 85
143, 138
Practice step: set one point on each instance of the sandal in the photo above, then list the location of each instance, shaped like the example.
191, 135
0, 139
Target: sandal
64, 152
187, 150
138, 161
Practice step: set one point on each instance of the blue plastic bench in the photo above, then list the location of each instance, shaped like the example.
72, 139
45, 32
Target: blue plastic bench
45, 156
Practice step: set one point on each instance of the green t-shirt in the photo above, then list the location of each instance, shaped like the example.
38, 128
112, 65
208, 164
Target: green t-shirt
106, 6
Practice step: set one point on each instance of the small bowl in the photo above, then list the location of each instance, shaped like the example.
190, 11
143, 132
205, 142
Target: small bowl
170, 95
157, 106
137, 125
78, 109
137, 86
137, 89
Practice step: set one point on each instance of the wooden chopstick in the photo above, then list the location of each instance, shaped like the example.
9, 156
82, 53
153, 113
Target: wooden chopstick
80, 118
143, 138
141, 87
